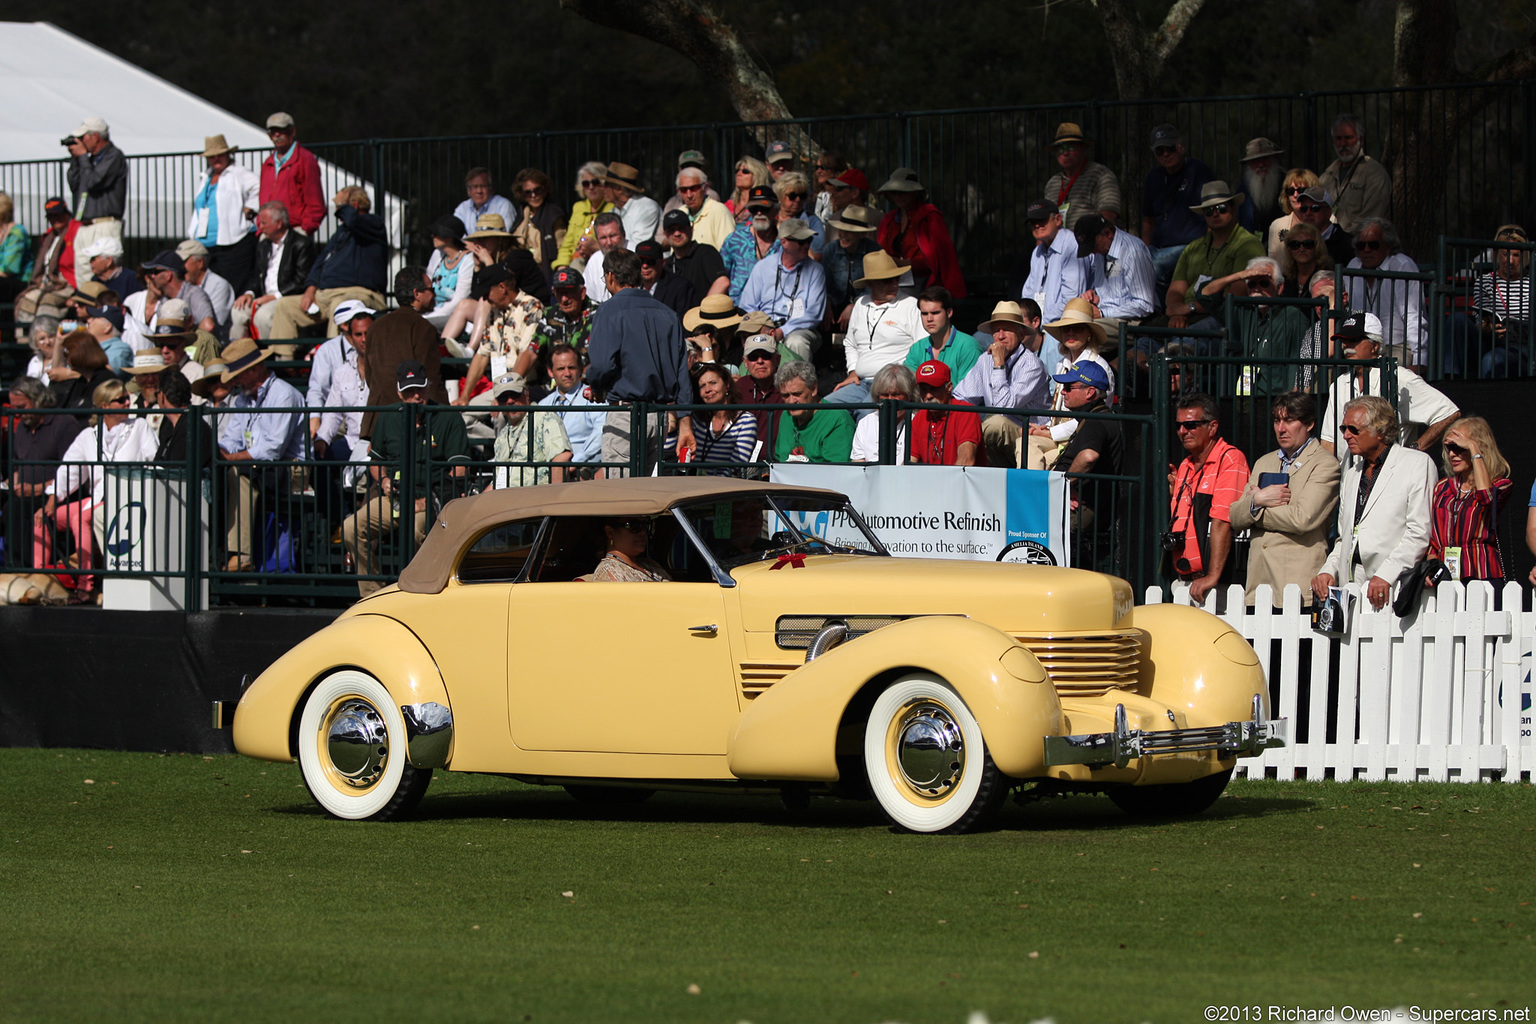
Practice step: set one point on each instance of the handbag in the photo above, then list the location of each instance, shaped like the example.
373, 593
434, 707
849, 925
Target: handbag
1411, 581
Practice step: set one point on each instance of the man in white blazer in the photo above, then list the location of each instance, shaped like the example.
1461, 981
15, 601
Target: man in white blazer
1384, 504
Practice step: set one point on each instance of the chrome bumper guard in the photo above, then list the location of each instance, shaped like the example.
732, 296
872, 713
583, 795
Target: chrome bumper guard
1119, 748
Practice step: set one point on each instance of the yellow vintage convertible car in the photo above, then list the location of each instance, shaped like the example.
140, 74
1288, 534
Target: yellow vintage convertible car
770, 658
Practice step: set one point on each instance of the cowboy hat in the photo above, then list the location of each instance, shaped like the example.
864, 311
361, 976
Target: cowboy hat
625, 175
1259, 148
1005, 313
1214, 193
856, 218
880, 266
214, 145
240, 356
146, 360
489, 225
1078, 311
717, 311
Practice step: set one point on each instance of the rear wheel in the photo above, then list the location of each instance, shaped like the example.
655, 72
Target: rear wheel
926, 759
1178, 800
352, 750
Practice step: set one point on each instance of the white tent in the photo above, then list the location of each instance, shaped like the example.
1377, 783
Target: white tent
51, 80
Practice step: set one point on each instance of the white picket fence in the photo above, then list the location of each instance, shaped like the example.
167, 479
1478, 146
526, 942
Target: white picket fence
1444, 695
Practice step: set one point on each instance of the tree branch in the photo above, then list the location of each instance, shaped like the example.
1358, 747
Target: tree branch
1168, 36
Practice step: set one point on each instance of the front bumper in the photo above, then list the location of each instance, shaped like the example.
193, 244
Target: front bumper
1119, 748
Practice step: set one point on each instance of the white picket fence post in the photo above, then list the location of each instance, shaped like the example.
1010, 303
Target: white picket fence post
1442, 695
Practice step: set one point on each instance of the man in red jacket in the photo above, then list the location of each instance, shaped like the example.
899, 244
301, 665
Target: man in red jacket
291, 175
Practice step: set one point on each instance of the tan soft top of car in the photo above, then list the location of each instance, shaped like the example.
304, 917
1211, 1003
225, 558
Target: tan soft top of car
463, 520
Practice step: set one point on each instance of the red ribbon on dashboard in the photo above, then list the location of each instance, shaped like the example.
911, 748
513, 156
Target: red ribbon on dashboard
798, 561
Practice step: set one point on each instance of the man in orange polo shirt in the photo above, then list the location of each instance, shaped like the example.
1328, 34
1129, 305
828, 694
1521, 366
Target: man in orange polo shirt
1204, 486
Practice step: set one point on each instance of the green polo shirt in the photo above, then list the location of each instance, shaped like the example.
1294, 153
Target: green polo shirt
1200, 263
959, 354
828, 437
441, 437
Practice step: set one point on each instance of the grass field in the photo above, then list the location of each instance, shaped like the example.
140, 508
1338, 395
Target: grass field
146, 887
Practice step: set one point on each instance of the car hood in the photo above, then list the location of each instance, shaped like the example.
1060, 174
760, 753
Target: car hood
1013, 598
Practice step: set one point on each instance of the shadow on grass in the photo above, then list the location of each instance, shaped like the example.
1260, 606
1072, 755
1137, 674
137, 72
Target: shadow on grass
1075, 813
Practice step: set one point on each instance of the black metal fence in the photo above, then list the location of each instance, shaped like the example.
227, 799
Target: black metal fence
982, 167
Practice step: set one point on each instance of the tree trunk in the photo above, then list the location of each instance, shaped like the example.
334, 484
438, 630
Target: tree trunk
695, 29
1138, 55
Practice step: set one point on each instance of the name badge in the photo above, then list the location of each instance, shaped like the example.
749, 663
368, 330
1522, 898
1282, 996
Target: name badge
1452, 560
498, 366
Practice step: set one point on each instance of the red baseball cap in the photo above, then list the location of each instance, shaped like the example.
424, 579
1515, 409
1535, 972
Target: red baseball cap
933, 373
854, 178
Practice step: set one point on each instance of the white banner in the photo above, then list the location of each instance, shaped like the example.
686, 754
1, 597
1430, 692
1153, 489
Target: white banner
983, 514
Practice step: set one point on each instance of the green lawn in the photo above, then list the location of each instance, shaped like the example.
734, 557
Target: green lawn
145, 887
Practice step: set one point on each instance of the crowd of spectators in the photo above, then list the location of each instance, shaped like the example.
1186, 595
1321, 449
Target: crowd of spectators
811, 292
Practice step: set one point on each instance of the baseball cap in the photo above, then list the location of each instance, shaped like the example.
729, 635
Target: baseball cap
1359, 325
1085, 372
650, 250
191, 247
759, 343
676, 220
779, 151
690, 158
1040, 209
348, 311
104, 246
934, 373
509, 383
55, 207
853, 178
1319, 194
487, 278
111, 314
1165, 135
1087, 231
565, 277
795, 228
92, 124
761, 196
165, 259
411, 374
280, 120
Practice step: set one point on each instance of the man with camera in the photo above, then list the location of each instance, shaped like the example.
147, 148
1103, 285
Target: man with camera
1204, 486
98, 188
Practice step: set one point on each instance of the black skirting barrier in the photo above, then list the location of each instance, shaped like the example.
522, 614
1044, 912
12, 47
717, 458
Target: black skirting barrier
86, 677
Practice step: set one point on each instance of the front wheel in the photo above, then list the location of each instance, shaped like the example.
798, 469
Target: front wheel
352, 750
1177, 800
926, 760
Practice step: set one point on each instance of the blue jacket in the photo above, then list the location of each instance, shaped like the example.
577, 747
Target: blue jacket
637, 350
356, 256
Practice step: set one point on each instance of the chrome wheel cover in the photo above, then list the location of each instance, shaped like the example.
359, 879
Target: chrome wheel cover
356, 742
929, 748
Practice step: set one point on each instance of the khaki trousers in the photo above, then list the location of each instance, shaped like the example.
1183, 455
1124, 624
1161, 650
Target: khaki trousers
290, 313
360, 535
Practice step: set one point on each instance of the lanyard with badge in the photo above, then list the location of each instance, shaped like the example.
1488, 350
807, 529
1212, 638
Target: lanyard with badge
796, 305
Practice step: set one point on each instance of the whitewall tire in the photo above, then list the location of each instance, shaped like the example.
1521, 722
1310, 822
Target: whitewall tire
352, 750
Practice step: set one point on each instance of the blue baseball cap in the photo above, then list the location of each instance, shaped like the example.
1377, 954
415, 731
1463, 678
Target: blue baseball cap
1084, 373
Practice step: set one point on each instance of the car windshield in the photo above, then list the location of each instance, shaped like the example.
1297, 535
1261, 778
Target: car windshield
753, 528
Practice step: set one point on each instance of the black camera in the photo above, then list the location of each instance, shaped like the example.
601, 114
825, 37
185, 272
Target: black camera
1172, 540
70, 140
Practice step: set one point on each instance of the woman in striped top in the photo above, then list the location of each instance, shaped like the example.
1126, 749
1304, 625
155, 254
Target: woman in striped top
1503, 300
1466, 504
727, 435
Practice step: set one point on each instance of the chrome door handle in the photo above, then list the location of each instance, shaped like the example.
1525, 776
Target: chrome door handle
709, 628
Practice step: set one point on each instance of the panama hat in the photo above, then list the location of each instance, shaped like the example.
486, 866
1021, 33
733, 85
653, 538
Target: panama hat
489, 225
856, 218
146, 360
213, 374
881, 266
1214, 193
625, 175
1069, 131
1078, 311
1005, 313
241, 356
717, 311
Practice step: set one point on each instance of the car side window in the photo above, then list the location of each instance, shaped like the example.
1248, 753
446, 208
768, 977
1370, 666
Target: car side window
500, 553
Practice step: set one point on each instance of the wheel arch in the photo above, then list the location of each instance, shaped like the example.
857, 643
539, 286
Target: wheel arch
790, 731
266, 720
1199, 666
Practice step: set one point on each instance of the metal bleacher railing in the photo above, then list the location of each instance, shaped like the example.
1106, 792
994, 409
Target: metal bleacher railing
981, 166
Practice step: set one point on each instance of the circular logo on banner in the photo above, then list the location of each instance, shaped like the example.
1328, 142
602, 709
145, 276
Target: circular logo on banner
1027, 552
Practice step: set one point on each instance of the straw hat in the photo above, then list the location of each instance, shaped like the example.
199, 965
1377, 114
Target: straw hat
717, 311
146, 360
1069, 131
214, 145
1010, 313
489, 225
241, 356
173, 320
856, 218
881, 266
1078, 311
